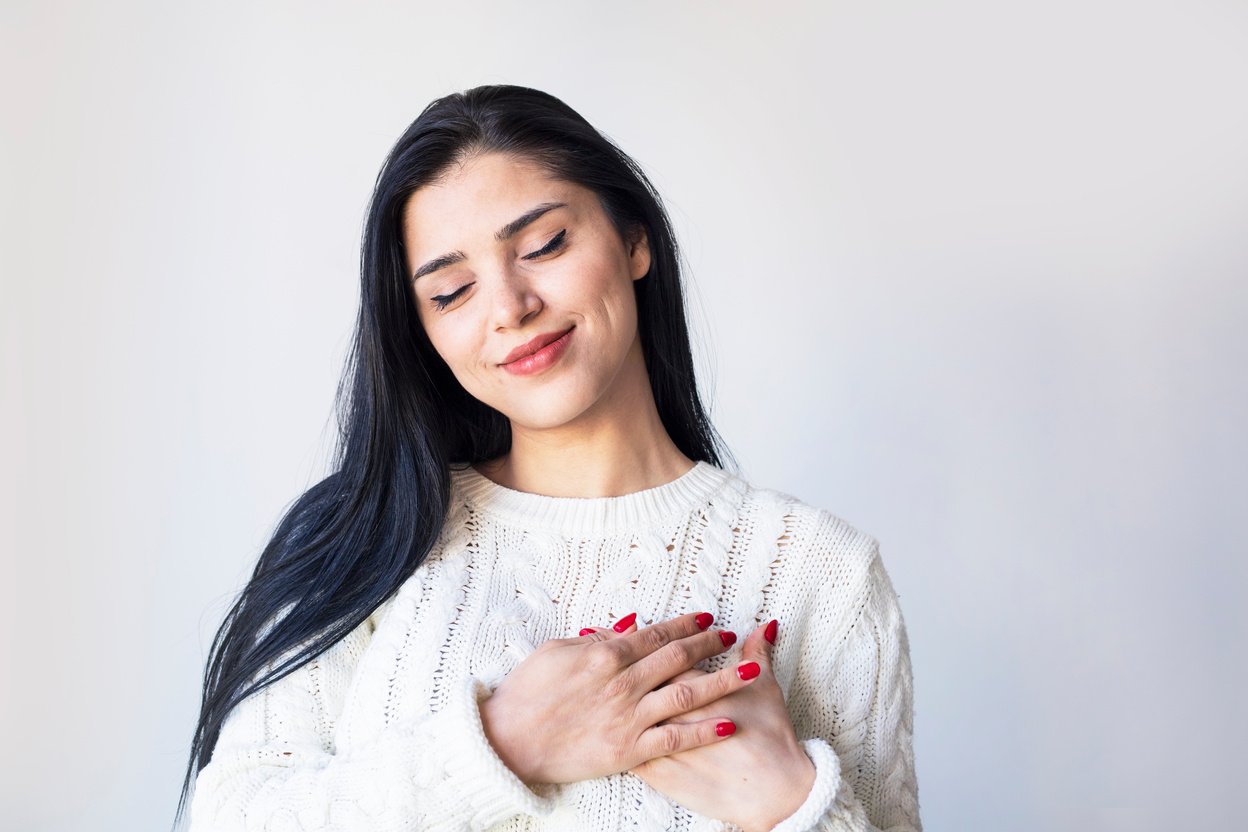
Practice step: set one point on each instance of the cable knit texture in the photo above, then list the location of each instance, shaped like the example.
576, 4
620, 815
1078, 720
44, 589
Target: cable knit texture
382, 731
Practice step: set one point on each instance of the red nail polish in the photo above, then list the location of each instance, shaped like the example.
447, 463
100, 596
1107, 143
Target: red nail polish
748, 670
728, 637
587, 631
770, 632
625, 622
725, 729
704, 620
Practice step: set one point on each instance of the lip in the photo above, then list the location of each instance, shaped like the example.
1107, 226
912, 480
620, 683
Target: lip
546, 357
534, 345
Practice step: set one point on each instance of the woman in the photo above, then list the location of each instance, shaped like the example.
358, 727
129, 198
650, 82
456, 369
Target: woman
524, 457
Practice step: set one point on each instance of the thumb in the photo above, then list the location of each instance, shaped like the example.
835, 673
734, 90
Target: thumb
758, 644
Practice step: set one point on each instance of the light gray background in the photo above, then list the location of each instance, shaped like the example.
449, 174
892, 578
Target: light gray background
971, 275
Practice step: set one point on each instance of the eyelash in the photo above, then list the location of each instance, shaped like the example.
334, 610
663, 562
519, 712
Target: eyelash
556, 244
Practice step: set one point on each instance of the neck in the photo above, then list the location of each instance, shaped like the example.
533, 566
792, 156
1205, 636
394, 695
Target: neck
617, 446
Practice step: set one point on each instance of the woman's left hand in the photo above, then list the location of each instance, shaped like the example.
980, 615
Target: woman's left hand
755, 779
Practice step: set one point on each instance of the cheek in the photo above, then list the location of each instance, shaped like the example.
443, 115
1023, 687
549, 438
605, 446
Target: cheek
600, 290
615, 307
457, 348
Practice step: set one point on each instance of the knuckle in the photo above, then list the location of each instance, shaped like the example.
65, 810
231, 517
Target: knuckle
653, 638
686, 653
618, 686
602, 659
669, 739
683, 695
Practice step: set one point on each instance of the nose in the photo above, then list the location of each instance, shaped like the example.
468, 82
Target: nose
513, 299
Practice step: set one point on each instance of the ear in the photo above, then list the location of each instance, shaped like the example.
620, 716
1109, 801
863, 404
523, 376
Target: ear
639, 253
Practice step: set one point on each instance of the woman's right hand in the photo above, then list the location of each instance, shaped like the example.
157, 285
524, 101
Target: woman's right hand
580, 708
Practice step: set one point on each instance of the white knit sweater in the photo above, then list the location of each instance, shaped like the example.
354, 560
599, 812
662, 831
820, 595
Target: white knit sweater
381, 732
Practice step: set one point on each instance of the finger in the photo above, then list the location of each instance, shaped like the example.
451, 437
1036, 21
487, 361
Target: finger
691, 673
690, 694
674, 737
771, 632
586, 635
678, 656
757, 647
641, 643
592, 634
611, 632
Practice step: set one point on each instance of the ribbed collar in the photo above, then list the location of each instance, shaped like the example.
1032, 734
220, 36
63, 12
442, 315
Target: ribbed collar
588, 516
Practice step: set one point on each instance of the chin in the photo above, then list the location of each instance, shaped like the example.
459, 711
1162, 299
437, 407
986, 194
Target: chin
545, 408
543, 418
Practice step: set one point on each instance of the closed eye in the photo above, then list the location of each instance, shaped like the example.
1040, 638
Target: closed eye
556, 243
443, 301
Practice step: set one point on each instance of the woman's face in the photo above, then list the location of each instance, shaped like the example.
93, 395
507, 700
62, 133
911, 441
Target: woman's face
479, 297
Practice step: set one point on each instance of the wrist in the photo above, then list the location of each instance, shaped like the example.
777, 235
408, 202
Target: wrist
509, 748
801, 774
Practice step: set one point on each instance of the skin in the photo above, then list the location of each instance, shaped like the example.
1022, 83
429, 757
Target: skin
588, 427
767, 773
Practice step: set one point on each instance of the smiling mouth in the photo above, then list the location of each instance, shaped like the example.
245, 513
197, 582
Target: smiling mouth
541, 344
539, 361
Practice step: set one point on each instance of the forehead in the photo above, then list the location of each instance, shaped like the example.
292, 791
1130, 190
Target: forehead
475, 199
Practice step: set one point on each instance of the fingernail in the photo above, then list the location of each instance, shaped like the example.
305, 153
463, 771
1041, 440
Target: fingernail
625, 622
728, 637
724, 729
770, 632
704, 620
587, 631
748, 670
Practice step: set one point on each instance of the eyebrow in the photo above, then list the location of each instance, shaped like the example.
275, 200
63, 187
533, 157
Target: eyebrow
501, 235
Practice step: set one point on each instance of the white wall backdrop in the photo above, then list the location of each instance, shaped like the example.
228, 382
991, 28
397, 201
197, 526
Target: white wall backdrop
971, 275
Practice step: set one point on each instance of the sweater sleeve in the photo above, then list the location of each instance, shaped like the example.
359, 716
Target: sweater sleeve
275, 766
857, 703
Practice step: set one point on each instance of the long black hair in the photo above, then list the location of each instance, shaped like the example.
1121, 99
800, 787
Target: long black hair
347, 544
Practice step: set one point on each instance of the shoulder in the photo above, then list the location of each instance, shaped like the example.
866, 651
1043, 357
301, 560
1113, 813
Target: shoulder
819, 557
816, 542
